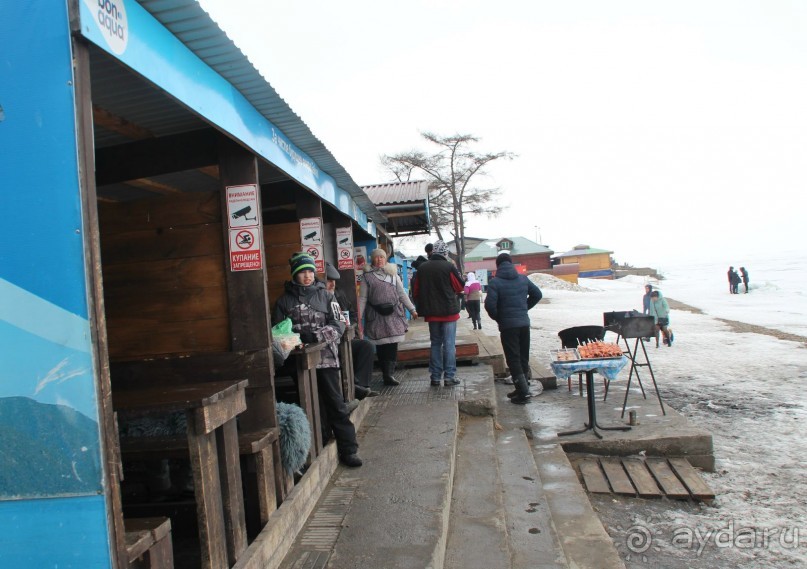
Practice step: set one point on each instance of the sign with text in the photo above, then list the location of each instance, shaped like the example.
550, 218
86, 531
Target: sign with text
315, 252
310, 231
360, 257
245, 249
344, 248
242, 206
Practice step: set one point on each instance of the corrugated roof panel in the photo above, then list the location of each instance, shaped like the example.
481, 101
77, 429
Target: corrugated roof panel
193, 26
398, 192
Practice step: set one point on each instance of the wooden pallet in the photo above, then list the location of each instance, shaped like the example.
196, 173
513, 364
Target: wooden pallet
647, 478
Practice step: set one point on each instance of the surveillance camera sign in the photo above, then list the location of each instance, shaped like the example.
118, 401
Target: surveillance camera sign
244, 221
310, 231
242, 206
344, 247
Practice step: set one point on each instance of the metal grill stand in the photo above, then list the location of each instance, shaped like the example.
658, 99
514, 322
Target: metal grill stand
628, 325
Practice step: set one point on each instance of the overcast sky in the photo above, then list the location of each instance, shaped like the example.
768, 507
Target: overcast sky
656, 129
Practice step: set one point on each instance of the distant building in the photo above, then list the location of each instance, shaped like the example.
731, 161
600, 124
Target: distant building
532, 256
470, 243
592, 263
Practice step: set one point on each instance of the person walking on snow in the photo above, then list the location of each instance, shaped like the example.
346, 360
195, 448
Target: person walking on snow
648, 288
510, 297
660, 311
744, 273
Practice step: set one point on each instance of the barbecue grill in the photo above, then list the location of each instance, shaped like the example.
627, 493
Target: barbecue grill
632, 324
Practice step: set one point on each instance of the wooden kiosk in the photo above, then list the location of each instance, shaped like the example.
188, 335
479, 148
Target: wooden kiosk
154, 187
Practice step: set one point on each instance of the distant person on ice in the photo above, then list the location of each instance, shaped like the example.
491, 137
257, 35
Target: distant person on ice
660, 310
510, 296
734, 281
648, 288
744, 274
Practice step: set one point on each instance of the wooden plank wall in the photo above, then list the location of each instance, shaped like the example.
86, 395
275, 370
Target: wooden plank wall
280, 241
163, 275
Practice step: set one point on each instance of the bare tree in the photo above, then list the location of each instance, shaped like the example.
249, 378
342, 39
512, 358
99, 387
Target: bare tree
451, 170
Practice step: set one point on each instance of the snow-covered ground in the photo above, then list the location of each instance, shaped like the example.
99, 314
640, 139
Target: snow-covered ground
746, 388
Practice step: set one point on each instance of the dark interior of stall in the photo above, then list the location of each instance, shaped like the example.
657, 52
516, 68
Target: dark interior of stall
172, 312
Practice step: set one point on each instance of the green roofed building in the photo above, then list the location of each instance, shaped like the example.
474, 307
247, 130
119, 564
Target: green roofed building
533, 256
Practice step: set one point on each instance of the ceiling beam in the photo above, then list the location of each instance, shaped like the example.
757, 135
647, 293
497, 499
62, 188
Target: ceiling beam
120, 125
156, 156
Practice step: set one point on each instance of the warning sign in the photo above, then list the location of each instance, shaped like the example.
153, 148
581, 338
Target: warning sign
242, 206
315, 252
344, 247
245, 249
310, 231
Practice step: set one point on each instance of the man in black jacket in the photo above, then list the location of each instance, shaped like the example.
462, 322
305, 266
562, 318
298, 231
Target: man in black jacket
510, 296
437, 283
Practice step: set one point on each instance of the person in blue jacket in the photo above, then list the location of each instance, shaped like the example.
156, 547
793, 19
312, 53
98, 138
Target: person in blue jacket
510, 296
660, 310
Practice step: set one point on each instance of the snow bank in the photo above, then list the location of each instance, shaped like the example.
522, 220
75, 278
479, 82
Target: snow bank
550, 282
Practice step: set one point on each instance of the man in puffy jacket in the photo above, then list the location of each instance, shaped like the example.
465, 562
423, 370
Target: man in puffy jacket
510, 296
436, 285
316, 316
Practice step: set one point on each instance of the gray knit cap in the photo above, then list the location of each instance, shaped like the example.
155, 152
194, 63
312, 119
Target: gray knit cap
440, 248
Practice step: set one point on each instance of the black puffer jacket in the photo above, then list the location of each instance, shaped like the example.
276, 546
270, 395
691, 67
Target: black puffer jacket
313, 310
510, 296
436, 285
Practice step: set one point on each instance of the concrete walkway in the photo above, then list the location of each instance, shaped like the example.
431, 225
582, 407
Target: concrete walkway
460, 478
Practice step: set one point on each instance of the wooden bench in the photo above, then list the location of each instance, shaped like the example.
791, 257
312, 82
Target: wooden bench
148, 543
265, 481
210, 409
263, 476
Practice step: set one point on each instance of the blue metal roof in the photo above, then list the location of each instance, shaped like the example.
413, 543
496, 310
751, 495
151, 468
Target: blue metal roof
194, 27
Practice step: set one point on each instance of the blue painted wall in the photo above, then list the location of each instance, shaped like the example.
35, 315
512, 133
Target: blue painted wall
52, 509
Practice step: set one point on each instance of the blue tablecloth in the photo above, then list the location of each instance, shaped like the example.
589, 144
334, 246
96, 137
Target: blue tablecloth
610, 368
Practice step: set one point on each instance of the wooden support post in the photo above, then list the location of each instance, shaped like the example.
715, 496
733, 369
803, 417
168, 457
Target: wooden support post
209, 506
346, 362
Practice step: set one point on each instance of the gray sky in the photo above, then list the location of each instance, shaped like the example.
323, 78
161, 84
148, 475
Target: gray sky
658, 130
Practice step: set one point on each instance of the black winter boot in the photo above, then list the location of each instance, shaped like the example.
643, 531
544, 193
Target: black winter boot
387, 369
523, 394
